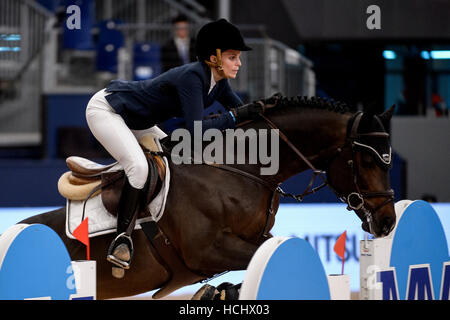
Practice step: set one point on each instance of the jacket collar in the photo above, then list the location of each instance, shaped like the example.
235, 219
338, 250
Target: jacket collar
207, 73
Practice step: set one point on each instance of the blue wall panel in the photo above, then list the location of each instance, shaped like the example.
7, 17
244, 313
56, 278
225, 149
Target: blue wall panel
62, 110
30, 183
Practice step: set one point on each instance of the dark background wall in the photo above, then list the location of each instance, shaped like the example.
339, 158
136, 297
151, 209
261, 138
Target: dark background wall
319, 20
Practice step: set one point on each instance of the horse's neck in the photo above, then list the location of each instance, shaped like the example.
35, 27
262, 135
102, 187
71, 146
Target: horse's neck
316, 134
313, 132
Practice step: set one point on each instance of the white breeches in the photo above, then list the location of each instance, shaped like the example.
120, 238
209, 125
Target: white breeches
120, 141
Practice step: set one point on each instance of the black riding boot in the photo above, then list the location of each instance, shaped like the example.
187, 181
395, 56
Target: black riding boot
120, 251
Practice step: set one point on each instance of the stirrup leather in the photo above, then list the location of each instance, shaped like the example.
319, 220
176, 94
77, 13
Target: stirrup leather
115, 260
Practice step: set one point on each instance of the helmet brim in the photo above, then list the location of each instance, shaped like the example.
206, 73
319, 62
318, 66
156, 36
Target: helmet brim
245, 48
242, 47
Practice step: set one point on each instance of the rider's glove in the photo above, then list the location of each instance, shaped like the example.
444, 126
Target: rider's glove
252, 110
248, 111
272, 101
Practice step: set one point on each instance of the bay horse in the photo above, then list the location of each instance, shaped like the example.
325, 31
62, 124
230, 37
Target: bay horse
217, 216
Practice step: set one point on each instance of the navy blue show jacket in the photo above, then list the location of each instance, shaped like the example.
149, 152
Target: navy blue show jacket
179, 92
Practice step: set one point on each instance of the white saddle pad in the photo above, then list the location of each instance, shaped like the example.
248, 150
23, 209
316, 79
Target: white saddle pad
101, 221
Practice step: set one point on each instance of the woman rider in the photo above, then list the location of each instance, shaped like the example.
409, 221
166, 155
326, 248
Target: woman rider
118, 114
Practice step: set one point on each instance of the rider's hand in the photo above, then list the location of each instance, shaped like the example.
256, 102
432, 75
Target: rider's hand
252, 110
248, 111
272, 101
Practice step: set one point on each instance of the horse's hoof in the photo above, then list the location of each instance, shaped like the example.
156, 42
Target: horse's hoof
228, 294
224, 286
118, 273
227, 291
207, 292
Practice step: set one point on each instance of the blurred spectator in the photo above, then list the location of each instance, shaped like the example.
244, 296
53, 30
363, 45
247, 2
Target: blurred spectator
439, 105
181, 48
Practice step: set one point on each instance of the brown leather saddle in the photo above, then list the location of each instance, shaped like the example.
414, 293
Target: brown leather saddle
113, 183
87, 178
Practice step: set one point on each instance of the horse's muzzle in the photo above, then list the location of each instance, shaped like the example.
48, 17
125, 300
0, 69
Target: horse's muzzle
379, 224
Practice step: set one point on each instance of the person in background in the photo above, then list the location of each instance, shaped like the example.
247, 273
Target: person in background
439, 105
181, 48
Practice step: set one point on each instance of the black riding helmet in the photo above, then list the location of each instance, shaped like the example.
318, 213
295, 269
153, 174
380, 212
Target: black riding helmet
221, 35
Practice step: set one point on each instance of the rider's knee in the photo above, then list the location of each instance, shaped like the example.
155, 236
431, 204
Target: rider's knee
137, 173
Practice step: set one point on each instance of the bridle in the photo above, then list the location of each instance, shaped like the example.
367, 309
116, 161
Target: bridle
354, 200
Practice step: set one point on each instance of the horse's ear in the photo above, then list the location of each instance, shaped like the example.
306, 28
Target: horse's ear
386, 116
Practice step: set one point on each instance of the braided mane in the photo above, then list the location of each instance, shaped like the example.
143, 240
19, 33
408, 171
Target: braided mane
311, 103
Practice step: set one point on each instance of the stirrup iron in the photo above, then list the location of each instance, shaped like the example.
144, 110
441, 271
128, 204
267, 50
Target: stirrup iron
115, 260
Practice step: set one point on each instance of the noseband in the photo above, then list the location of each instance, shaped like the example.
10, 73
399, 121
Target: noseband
355, 200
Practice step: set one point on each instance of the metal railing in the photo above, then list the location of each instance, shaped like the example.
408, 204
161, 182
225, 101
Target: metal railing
273, 67
148, 12
23, 32
33, 62
143, 21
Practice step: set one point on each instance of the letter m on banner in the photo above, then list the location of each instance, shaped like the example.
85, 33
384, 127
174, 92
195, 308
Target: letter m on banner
389, 280
420, 286
445, 284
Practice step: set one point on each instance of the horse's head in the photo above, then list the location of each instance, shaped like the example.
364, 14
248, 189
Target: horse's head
359, 173
358, 169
